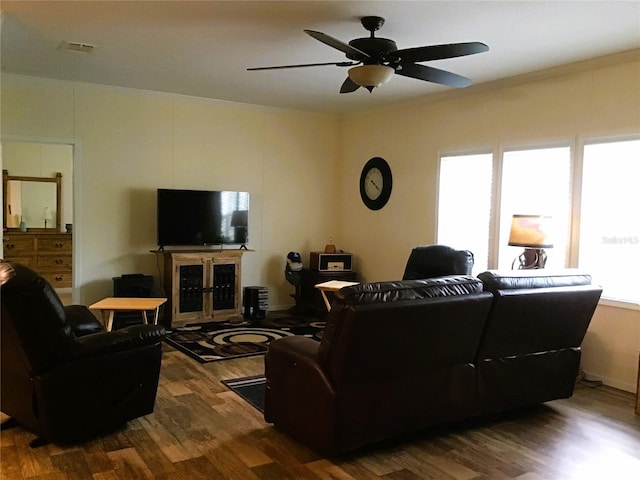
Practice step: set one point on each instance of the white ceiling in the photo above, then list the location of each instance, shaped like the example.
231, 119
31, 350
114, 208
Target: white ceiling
203, 48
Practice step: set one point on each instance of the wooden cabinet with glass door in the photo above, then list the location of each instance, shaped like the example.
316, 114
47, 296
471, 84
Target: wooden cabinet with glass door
202, 286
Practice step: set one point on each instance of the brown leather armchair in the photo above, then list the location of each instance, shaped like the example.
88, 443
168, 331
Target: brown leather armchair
63, 377
430, 261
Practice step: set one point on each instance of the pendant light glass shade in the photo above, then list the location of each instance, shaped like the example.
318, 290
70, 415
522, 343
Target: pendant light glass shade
370, 76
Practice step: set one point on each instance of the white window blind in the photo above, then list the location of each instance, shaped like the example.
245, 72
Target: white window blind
464, 205
610, 218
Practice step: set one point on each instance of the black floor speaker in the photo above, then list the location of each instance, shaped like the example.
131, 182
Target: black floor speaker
132, 285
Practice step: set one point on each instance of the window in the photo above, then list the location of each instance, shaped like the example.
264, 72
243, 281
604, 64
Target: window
610, 217
535, 182
464, 205
606, 242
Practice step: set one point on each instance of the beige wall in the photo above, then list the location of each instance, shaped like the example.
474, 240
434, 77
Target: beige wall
303, 170
129, 143
612, 345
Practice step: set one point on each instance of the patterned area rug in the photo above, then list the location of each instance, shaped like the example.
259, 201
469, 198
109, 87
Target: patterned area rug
208, 342
249, 388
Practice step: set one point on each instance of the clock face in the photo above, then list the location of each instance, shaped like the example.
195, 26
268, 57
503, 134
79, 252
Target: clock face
375, 183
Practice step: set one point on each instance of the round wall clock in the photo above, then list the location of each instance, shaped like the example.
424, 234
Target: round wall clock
375, 183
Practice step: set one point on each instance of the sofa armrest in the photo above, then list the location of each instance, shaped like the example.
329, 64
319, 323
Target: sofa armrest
300, 399
82, 321
294, 349
128, 338
294, 359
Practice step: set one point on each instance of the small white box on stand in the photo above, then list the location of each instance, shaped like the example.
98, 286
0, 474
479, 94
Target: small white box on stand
330, 262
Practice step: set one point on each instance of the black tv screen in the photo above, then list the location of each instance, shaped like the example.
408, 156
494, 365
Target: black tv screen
199, 217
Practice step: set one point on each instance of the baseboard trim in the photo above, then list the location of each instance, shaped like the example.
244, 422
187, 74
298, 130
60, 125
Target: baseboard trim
611, 382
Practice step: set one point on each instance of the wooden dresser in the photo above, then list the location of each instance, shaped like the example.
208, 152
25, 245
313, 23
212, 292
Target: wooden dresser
49, 254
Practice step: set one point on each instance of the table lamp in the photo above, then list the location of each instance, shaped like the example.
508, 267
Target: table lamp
47, 216
240, 223
532, 233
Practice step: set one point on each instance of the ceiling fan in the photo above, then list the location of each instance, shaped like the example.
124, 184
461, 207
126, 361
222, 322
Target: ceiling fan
374, 60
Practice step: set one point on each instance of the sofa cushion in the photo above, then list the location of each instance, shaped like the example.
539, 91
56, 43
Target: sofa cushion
537, 311
400, 305
495, 280
379, 292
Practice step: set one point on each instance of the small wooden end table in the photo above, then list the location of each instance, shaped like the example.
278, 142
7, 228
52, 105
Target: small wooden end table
332, 286
110, 305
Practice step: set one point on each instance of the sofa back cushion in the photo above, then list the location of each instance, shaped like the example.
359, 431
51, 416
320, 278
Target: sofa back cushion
394, 329
537, 311
379, 292
494, 280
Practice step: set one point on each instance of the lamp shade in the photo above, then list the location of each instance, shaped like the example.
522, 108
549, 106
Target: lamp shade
371, 75
240, 218
531, 231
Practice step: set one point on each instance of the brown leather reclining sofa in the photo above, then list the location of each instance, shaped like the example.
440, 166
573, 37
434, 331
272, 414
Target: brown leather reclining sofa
402, 356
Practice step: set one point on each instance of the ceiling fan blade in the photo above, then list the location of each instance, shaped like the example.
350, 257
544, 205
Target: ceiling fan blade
351, 52
430, 74
301, 65
349, 86
437, 52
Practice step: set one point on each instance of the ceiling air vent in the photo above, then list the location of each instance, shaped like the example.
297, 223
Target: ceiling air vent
77, 47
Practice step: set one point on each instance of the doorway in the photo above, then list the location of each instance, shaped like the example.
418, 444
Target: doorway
42, 160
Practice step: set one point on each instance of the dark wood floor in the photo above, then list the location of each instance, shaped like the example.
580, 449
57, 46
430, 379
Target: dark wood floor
201, 430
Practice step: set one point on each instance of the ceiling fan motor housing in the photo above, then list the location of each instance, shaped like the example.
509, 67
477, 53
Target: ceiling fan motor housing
376, 48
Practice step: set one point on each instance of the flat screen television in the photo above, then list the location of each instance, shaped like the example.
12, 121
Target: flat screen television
202, 217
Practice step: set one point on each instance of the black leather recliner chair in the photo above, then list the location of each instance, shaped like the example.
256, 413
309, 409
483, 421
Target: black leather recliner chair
63, 377
430, 261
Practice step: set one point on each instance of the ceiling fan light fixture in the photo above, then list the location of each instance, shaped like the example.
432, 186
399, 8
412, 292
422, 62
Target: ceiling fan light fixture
371, 76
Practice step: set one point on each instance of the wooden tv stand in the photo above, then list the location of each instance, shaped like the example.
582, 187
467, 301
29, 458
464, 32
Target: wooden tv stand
201, 285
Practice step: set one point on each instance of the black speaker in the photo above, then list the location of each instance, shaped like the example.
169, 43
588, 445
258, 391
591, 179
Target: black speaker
131, 285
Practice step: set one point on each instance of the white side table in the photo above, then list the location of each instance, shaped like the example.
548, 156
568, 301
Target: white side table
332, 286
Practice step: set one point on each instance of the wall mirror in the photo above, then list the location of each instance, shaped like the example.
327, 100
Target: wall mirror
32, 203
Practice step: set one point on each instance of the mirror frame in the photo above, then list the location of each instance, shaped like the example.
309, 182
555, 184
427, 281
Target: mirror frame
57, 179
